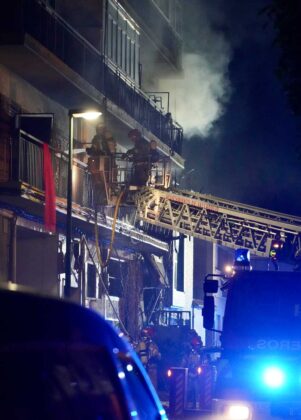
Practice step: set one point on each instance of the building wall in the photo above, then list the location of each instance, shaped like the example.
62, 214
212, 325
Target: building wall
200, 259
221, 257
36, 254
183, 299
36, 264
188, 271
109, 28
202, 265
161, 38
30, 100
37, 261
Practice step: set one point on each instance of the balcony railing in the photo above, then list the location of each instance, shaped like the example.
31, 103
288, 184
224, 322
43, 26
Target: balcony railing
55, 34
91, 184
28, 168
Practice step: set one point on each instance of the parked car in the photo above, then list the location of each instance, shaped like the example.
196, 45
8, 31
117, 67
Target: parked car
59, 360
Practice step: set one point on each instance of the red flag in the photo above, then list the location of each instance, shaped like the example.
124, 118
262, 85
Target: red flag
50, 201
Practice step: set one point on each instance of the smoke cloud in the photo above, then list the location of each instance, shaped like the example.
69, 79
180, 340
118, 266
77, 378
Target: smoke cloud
199, 96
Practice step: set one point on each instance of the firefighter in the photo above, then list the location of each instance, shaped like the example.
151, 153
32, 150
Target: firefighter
101, 162
153, 152
98, 142
139, 155
110, 151
192, 361
142, 349
153, 158
149, 354
196, 341
103, 143
154, 356
94, 152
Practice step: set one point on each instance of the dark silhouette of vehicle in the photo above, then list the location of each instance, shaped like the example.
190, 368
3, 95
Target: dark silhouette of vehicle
59, 360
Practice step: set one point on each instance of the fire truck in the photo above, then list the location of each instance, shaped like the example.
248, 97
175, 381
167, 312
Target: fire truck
259, 370
258, 373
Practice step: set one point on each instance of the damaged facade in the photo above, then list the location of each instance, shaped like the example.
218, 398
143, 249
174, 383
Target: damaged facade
57, 57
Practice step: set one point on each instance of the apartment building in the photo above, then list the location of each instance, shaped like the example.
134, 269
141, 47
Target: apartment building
58, 59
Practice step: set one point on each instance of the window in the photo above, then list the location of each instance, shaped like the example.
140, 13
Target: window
116, 273
119, 48
112, 39
137, 61
122, 44
123, 65
128, 55
37, 125
132, 72
91, 281
114, 42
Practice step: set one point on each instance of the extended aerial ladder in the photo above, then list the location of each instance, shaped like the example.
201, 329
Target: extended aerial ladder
203, 216
220, 221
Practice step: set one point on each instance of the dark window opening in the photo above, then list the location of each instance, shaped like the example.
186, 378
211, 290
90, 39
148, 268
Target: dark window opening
91, 281
116, 273
36, 125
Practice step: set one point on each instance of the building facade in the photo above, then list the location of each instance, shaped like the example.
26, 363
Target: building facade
57, 59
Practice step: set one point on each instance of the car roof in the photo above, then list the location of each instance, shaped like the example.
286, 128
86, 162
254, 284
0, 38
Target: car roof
28, 317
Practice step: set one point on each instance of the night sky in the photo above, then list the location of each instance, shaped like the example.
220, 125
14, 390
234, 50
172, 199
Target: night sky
250, 154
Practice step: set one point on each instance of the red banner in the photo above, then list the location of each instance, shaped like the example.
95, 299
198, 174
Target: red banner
50, 201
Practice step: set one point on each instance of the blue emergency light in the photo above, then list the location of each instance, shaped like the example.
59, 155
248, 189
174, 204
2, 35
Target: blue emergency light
274, 377
242, 257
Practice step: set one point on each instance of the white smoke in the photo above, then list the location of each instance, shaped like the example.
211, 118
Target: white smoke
198, 97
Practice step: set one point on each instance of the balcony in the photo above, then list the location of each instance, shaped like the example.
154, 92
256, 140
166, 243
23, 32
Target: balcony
37, 44
22, 189
22, 173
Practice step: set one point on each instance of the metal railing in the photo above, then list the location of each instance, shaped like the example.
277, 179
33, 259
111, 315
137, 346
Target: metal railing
112, 174
55, 34
29, 169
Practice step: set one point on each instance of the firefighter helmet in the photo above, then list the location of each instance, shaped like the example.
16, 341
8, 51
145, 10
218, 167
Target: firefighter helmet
147, 332
134, 134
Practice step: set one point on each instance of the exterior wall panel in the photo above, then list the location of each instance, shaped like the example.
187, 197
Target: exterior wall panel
37, 261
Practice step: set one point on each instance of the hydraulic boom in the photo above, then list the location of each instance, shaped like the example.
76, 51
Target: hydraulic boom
225, 222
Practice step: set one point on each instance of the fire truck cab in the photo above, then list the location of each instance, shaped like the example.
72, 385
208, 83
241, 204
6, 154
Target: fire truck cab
259, 371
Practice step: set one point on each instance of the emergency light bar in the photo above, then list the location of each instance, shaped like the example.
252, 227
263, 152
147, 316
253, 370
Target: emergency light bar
242, 258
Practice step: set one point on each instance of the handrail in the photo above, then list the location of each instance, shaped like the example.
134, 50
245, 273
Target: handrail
52, 149
29, 169
70, 28
114, 171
